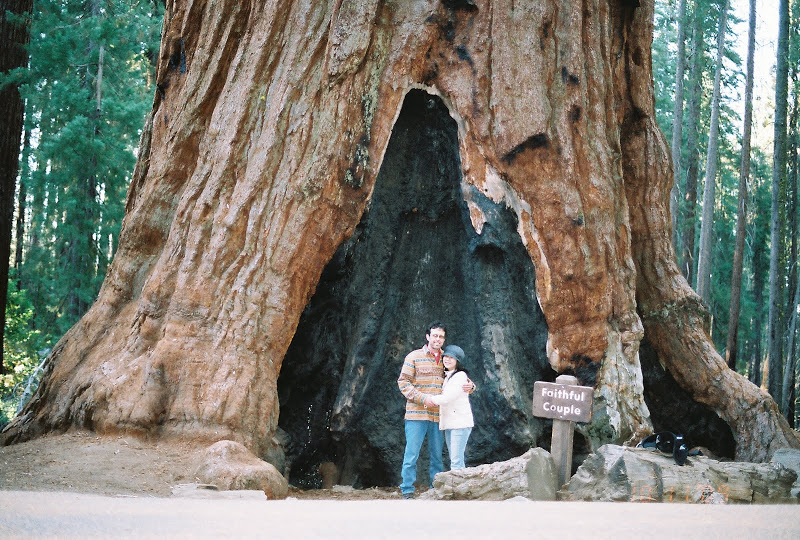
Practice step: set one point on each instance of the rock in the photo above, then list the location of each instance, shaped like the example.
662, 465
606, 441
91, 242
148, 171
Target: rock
231, 466
789, 458
531, 475
542, 475
275, 452
210, 491
617, 473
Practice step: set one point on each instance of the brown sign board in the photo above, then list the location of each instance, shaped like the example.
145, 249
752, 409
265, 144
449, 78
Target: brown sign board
562, 401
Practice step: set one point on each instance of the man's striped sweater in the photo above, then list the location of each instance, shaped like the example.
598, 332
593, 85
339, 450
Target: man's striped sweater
422, 374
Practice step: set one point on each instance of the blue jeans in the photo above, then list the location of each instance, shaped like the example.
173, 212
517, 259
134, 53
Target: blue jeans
415, 435
456, 444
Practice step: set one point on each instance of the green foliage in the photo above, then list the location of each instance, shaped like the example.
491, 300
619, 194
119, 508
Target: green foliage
756, 256
665, 35
83, 131
21, 349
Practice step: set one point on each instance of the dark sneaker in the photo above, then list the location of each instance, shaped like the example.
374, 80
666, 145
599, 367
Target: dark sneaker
408, 495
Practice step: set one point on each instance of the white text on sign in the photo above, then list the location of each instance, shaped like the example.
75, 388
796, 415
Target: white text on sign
562, 401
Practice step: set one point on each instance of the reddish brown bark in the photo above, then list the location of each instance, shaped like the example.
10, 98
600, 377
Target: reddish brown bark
14, 34
674, 319
261, 158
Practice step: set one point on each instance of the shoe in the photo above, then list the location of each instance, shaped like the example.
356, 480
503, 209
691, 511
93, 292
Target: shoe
408, 495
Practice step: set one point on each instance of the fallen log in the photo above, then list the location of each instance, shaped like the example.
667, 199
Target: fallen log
617, 473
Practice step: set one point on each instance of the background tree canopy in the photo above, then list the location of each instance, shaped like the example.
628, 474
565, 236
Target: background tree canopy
86, 89
701, 29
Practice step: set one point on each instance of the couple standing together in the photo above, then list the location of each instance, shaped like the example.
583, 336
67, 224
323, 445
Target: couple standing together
437, 390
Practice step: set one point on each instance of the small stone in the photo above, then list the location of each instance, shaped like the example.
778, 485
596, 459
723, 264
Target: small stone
231, 466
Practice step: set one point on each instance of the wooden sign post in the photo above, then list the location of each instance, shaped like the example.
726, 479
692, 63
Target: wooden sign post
566, 404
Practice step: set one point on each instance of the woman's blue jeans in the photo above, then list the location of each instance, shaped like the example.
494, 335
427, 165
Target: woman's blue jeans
416, 430
456, 444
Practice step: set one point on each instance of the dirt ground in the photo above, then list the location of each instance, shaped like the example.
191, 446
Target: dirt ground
84, 462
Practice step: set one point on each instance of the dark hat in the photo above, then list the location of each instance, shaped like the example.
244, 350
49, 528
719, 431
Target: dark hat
455, 351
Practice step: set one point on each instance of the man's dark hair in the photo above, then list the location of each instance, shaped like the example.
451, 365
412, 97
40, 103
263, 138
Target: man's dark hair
435, 324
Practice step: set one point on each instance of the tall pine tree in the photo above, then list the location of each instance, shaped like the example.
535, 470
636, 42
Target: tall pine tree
14, 34
775, 328
703, 262
741, 214
88, 90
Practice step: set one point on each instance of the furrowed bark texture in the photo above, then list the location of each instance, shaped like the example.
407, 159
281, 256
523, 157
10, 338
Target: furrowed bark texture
14, 35
268, 133
675, 322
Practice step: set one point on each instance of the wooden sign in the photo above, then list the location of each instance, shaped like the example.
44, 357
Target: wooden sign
562, 401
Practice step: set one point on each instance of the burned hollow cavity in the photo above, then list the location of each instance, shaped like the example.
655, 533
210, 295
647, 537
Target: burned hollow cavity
413, 258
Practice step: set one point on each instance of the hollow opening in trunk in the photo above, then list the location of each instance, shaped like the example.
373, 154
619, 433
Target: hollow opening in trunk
414, 258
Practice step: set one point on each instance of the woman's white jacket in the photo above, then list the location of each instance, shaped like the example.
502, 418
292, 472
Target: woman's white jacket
454, 408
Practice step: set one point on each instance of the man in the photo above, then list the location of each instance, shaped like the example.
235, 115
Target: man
422, 375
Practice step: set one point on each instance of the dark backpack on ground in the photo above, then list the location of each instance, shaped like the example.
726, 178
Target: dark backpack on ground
669, 443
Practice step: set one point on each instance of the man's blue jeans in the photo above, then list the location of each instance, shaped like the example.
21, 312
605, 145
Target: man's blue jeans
416, 430
456, 444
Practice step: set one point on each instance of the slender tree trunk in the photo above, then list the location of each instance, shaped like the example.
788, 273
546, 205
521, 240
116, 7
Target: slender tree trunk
82, 248
39, 215
693, 156
98, 99
755, 367
788, 399
13, 38
789, 368
731, 348
760, 270
707, 226
22, 205
774, 327
677, 124
792, 210
19, 231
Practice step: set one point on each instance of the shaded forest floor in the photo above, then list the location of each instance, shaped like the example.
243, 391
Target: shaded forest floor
84, 462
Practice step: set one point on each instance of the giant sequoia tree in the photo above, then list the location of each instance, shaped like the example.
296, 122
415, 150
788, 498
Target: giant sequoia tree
318, 179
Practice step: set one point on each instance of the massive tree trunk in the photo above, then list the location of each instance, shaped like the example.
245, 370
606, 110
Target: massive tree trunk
392, 160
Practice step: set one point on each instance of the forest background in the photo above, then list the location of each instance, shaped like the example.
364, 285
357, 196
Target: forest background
87, 83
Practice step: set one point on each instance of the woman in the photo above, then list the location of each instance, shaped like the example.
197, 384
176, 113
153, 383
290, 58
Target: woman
455, 412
